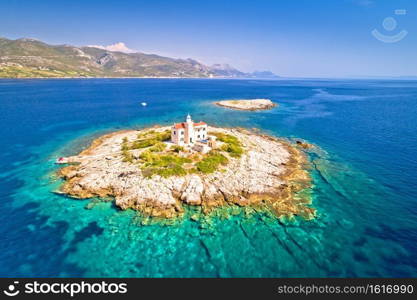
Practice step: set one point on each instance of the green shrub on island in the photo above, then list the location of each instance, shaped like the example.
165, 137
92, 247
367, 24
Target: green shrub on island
172, 170
127, 156
159, 136
225, 138
163, 136
161, 160
164, 165
232, 145
177, 148
143, 144
211, 162
232, 149
172, 165
155, 160
150, 138
147, 156
125, 145
158, 147
144, 134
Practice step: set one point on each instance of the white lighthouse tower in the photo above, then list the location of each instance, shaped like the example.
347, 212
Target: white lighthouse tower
189, 130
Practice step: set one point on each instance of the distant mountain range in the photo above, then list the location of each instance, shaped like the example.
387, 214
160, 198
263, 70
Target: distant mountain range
29, 58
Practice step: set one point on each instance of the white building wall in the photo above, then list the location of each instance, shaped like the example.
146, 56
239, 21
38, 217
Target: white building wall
181, 136
200, 132
174, 135
178, 136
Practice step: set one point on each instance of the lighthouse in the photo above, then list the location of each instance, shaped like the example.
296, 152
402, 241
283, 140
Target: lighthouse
188, 132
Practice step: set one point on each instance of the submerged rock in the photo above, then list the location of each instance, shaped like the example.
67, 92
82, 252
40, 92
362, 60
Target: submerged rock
304, 145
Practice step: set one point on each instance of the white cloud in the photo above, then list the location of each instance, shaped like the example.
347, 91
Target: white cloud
120, 47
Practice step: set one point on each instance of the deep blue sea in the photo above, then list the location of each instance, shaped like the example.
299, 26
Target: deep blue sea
364, 174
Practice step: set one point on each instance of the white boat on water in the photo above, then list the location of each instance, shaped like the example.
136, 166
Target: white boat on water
144, 104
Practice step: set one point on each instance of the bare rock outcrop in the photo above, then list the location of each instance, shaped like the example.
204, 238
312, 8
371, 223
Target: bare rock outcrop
249, 104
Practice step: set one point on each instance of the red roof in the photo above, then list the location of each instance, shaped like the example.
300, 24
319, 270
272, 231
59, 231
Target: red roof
182, 125
179, 125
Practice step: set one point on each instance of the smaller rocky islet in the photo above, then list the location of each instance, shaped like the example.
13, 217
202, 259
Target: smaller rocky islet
247, 104
144, 171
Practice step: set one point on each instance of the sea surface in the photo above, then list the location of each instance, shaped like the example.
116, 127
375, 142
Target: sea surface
364, 172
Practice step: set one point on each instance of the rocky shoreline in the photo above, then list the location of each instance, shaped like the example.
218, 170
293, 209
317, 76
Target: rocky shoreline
270, 174
250, 104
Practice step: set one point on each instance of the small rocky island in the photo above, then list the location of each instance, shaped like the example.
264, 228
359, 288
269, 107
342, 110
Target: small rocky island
159, 170
251, 104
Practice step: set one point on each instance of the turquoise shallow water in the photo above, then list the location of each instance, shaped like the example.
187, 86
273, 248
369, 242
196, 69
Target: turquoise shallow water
364, 181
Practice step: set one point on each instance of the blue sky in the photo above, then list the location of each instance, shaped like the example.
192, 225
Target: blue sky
303, 38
